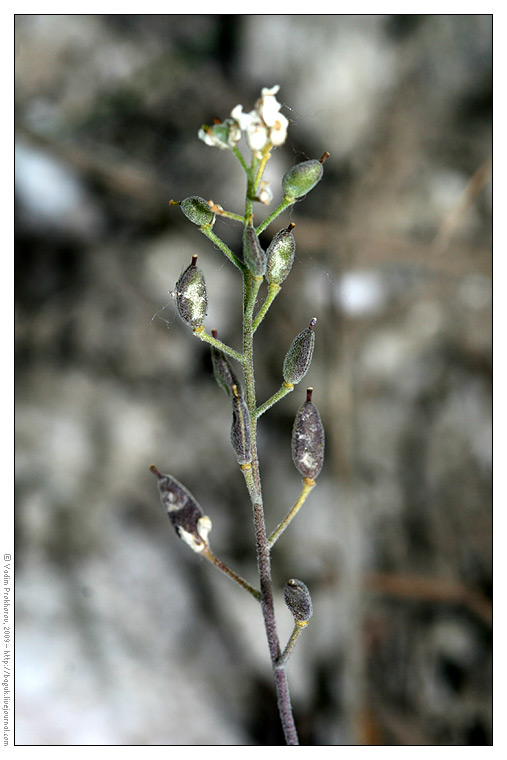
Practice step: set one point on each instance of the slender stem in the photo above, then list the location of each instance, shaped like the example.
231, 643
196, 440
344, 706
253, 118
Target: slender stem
208, 232
208, 554
283, 205
284, 390
253, 482
273, 291
266, 155
308, 484
217, 209
240, 158
284, 657
201, 333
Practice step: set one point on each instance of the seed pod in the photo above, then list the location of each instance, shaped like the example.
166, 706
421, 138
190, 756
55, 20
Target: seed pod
253, 255
240, 430
298, 600
197, 210
191, 295
303, 177
299, 356
280, 256
184, 512
308, 439
224, 373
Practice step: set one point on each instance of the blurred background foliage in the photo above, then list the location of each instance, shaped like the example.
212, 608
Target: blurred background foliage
125, 637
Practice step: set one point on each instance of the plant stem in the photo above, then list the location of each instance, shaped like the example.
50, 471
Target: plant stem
208, 232
201, 333
308, 484
284, 390
253, 482
231, 573
284, 657
278, 210
273, 291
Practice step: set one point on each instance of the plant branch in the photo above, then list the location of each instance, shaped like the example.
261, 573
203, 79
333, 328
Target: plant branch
208, 554
278, 210
284, 657
273, 291
201, 333
284, 390
208, 232
308, 484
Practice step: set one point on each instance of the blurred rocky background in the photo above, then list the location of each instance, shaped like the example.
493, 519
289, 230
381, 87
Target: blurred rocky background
123, 636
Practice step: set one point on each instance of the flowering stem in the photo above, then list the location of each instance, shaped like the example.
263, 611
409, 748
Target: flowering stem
240, 158
208, 232
284, 390
273, 291
251, 474
201, 333
278, 210
266, 155
308, 484
208, 554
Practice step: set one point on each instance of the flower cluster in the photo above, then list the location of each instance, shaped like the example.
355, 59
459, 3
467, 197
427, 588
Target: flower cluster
263, 126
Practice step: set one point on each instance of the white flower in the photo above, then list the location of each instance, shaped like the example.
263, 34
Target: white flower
265, 194
224, 135
278, 131
241, 118
256, 134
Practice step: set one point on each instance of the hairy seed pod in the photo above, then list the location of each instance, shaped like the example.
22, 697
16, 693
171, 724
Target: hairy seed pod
240, 430
298, 600
303, 177
299, 356
192, 296
184, 512
308, 439
197, 210
224, 373
280, 256
253, 254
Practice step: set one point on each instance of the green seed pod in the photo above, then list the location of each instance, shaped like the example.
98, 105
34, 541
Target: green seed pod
253, 255
298, 600
240, 430
299, 356
303, 177
197, 210
308, 439
224, 373
191, 295
280, 256
184, 512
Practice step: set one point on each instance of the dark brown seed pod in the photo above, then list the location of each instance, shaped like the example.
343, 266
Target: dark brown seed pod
299, 356
184, 512
308, 439
253, 254
240, 430
298, 600
222, 370
280, 256
192, 296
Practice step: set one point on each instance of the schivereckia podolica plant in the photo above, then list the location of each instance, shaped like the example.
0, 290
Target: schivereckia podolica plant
262, 273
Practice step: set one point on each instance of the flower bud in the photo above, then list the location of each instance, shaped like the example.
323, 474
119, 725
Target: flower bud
197, 210
184, 512
299, 356
303, 177
280, 256
191, 295
240, 430
308, 439
298, 600
224, 373
253, 255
